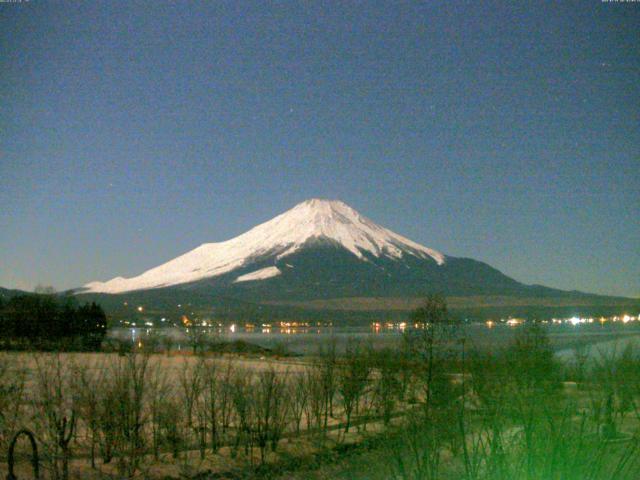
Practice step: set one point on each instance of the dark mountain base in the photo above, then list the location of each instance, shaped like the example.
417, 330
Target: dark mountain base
327, 283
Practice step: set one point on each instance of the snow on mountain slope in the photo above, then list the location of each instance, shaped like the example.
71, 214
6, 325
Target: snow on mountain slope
283, 235
261, 274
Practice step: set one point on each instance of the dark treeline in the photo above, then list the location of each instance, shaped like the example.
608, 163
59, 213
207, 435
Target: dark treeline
50, 322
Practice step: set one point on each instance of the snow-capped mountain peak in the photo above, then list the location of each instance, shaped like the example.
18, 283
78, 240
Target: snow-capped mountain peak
314, 219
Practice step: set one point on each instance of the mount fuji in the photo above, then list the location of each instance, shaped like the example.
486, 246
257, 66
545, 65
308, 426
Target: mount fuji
306, 225
321, 251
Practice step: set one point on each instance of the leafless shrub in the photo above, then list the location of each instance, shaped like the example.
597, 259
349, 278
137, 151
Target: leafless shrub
418, 453
87, 387
352, 378
12, 393
212, 399
158, 393
387, 387
316, 394
298, 391
429, 346
226, 396
192, 383
126, 387
614, 388
169, 422
167, 341
326, 367
242, 397
55, 408
270, 409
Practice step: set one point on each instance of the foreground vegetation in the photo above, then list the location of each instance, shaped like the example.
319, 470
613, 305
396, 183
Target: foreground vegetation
434, 409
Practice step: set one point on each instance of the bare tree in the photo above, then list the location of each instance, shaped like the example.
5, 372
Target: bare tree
326, 366
429, 343
242, 398
12, 390
226, 396
316, 394
264, 395
298, 395
107, 421
352, 377
87, 383
56, 408
127, 384
213, 394
159, 391
192, 383
168, 342
270, 408
197, 338
387, 385
169, 424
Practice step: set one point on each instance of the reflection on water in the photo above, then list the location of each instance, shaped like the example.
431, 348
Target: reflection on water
304, 338
603, 349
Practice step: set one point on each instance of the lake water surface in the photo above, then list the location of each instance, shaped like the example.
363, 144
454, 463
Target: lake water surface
308, 340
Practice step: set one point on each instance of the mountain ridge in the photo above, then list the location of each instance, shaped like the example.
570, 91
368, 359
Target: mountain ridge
323, 256
279, 237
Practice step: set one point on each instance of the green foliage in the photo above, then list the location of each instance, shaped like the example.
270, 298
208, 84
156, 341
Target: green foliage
531, 358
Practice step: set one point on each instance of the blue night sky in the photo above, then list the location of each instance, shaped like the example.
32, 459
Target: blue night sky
131, 132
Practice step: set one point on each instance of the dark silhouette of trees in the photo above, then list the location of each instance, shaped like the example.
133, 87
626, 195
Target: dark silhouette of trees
430, 346
50, 321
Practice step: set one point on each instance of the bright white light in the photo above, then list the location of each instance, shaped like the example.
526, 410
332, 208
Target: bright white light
233, 328
575, 320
